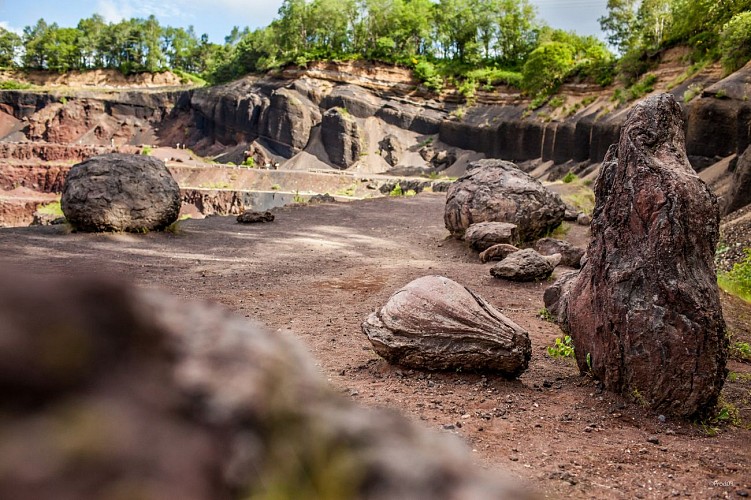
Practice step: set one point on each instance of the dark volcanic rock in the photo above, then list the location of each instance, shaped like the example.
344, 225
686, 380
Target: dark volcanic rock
740, 191
391, 149
356, 100
341, 137
289, 120
525, 265
437, 324
570, 255
119, 192
497, 252
497, 191
484, 235
322, 198
251, 217
112, 382
645, 308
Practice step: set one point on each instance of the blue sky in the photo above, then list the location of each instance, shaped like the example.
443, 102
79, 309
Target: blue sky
216, 17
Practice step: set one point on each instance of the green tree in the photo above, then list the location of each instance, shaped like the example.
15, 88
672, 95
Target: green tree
547, 66
91, 31
516, 31
10, 44
620, 24
34, 56
457, 27
61, 49
735, 42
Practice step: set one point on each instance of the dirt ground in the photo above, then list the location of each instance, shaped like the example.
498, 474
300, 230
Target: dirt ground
318, 271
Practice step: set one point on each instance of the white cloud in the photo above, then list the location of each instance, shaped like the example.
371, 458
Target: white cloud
113, 11
6, 26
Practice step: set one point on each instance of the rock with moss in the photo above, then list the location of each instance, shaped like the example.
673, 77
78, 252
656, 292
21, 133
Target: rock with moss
434, 323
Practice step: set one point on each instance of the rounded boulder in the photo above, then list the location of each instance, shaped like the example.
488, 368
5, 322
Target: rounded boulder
120, 192
498, 191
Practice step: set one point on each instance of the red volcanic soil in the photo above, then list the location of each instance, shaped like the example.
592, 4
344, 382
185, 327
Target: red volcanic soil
316, 272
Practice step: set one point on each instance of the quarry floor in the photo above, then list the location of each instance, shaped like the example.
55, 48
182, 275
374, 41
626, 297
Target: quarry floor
317, 271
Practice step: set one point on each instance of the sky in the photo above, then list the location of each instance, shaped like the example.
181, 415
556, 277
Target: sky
216, 17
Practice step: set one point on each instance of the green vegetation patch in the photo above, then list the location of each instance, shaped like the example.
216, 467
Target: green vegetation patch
737, 281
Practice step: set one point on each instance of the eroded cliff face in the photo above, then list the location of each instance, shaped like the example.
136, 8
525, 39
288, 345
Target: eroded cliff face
278, 119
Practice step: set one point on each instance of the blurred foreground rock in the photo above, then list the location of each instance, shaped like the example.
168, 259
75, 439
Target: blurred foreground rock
644, 312
120, 192
119, 393
435, 323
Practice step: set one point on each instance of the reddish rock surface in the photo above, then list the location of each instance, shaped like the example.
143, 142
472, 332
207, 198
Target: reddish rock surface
645, 311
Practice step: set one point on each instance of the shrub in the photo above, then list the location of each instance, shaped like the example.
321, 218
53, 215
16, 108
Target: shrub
692, 91
14, 85
249, 162
563, 348
426, 72
642, 87
737, 281
494, 76
146, 150
547, 66
569, 177
735, 42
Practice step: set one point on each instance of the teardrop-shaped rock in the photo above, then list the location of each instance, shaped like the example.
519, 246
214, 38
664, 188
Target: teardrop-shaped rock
435, 323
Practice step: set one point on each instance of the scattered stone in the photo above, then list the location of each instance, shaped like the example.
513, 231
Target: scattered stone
497, 252
391, 149
341, 137
498, 191
484, 235
740, 190
570, 255
322, 198
435, 323
251, 217
43, 219
525, 265
653, 440
120, 192
443, 160
644, 312
571, 213
583, 219
210, 404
